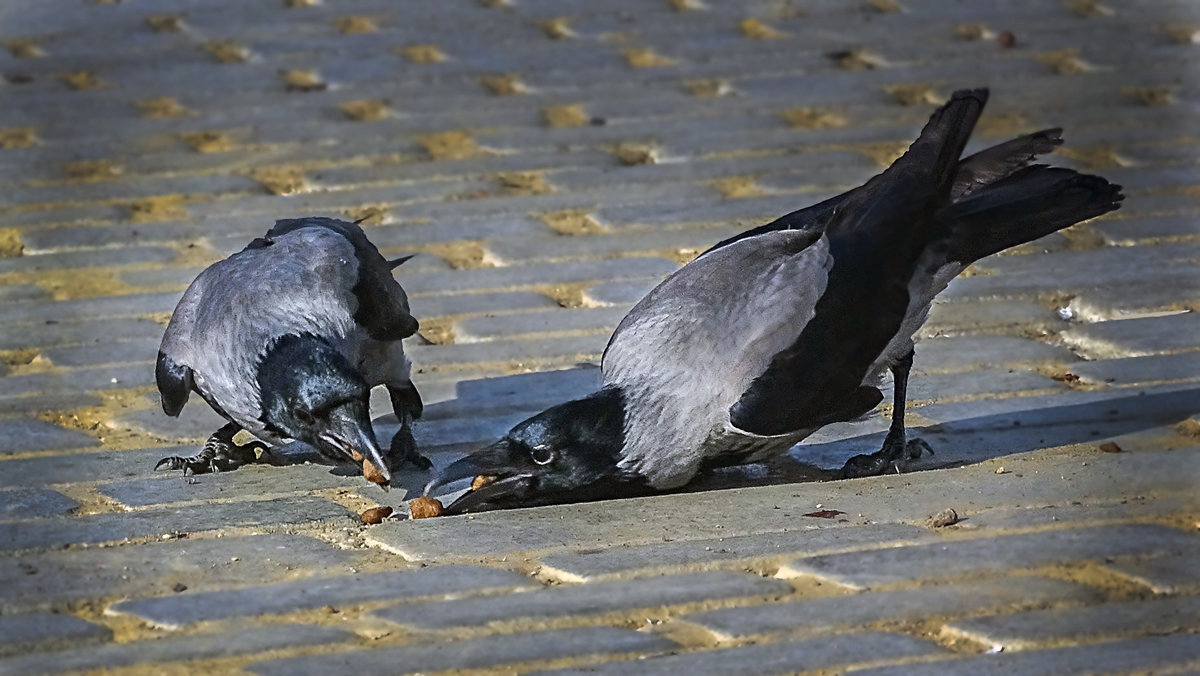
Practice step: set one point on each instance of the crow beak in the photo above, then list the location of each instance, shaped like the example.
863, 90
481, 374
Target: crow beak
508, 482
347, 430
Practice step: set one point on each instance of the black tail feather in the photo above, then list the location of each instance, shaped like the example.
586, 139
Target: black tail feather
1000, 161
1031, 203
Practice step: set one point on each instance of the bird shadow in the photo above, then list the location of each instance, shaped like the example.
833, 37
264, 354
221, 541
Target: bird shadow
483, 410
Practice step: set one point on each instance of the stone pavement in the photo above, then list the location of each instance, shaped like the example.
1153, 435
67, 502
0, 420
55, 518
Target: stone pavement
551, 160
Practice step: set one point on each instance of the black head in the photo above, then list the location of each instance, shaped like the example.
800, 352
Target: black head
311, 393
566, 453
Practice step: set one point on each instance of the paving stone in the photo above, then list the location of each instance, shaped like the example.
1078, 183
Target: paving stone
862, 570
956, 318
1134, 370
182, 649
1143, 655
1129, 301
623, 294
587, 599
60, 333
589, 565
1170, 573
534, 349
174, 612
1132, 231
42, 631
94, 528
26, 502
249, 481
122, 352
477, 653
132, 305
479, 303
12, 292
539, 274
89, 466
22, 435
1135, 337
744, 511
479, 329
784, 657
1023, 631
821, 615
87, 259
967, 353
38, 581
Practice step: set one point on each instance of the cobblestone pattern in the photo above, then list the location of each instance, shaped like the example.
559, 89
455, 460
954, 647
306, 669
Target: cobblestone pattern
550, 161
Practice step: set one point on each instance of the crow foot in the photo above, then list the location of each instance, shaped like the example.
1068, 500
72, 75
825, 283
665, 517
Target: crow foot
220, 454
896, 454
404, 448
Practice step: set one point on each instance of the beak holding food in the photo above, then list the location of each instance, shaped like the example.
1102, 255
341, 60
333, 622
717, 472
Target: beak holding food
347, 430
496, 480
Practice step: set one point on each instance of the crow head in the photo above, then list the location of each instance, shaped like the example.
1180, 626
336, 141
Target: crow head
567, 453
311, 393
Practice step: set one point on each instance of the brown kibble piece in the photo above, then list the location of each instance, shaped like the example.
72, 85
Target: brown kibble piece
1110, 447
946, 517
481, 481
371, 473
376, 515
423, 507
1007, 39
356, 455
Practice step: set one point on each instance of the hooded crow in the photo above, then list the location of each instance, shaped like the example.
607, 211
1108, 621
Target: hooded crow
285, 340
788, 327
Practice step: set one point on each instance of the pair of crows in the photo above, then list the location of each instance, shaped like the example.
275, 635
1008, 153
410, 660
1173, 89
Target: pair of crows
736, 357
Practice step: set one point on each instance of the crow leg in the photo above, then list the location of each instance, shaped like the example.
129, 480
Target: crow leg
219, 454
406, 403
897, 450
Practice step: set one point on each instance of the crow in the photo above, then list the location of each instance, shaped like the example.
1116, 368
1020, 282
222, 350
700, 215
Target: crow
285, 340
782, 329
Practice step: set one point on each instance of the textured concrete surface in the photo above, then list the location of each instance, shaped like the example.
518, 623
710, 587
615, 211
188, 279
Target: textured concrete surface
550, 161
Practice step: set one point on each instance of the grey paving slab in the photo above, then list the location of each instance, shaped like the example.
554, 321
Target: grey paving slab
479, 329
1171, 294
862, 570
588, 599
989, 317
90, 466
1135, 337
23, 435
176, 611
13, 292
87, 259
820, 615
109, 527
544, 273
588, 565
37, 581
478, 653
43, 335
478, 303
133, 305
623, 294
107, 352
745, 511
22, 503
973, 352
784, 657
1170, 573
537, 348
41, 631
1133, 370
1142, 655
250, 481
1023, 631
182, 649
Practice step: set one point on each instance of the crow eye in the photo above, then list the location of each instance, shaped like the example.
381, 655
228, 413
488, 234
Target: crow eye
304, 416
542, 454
